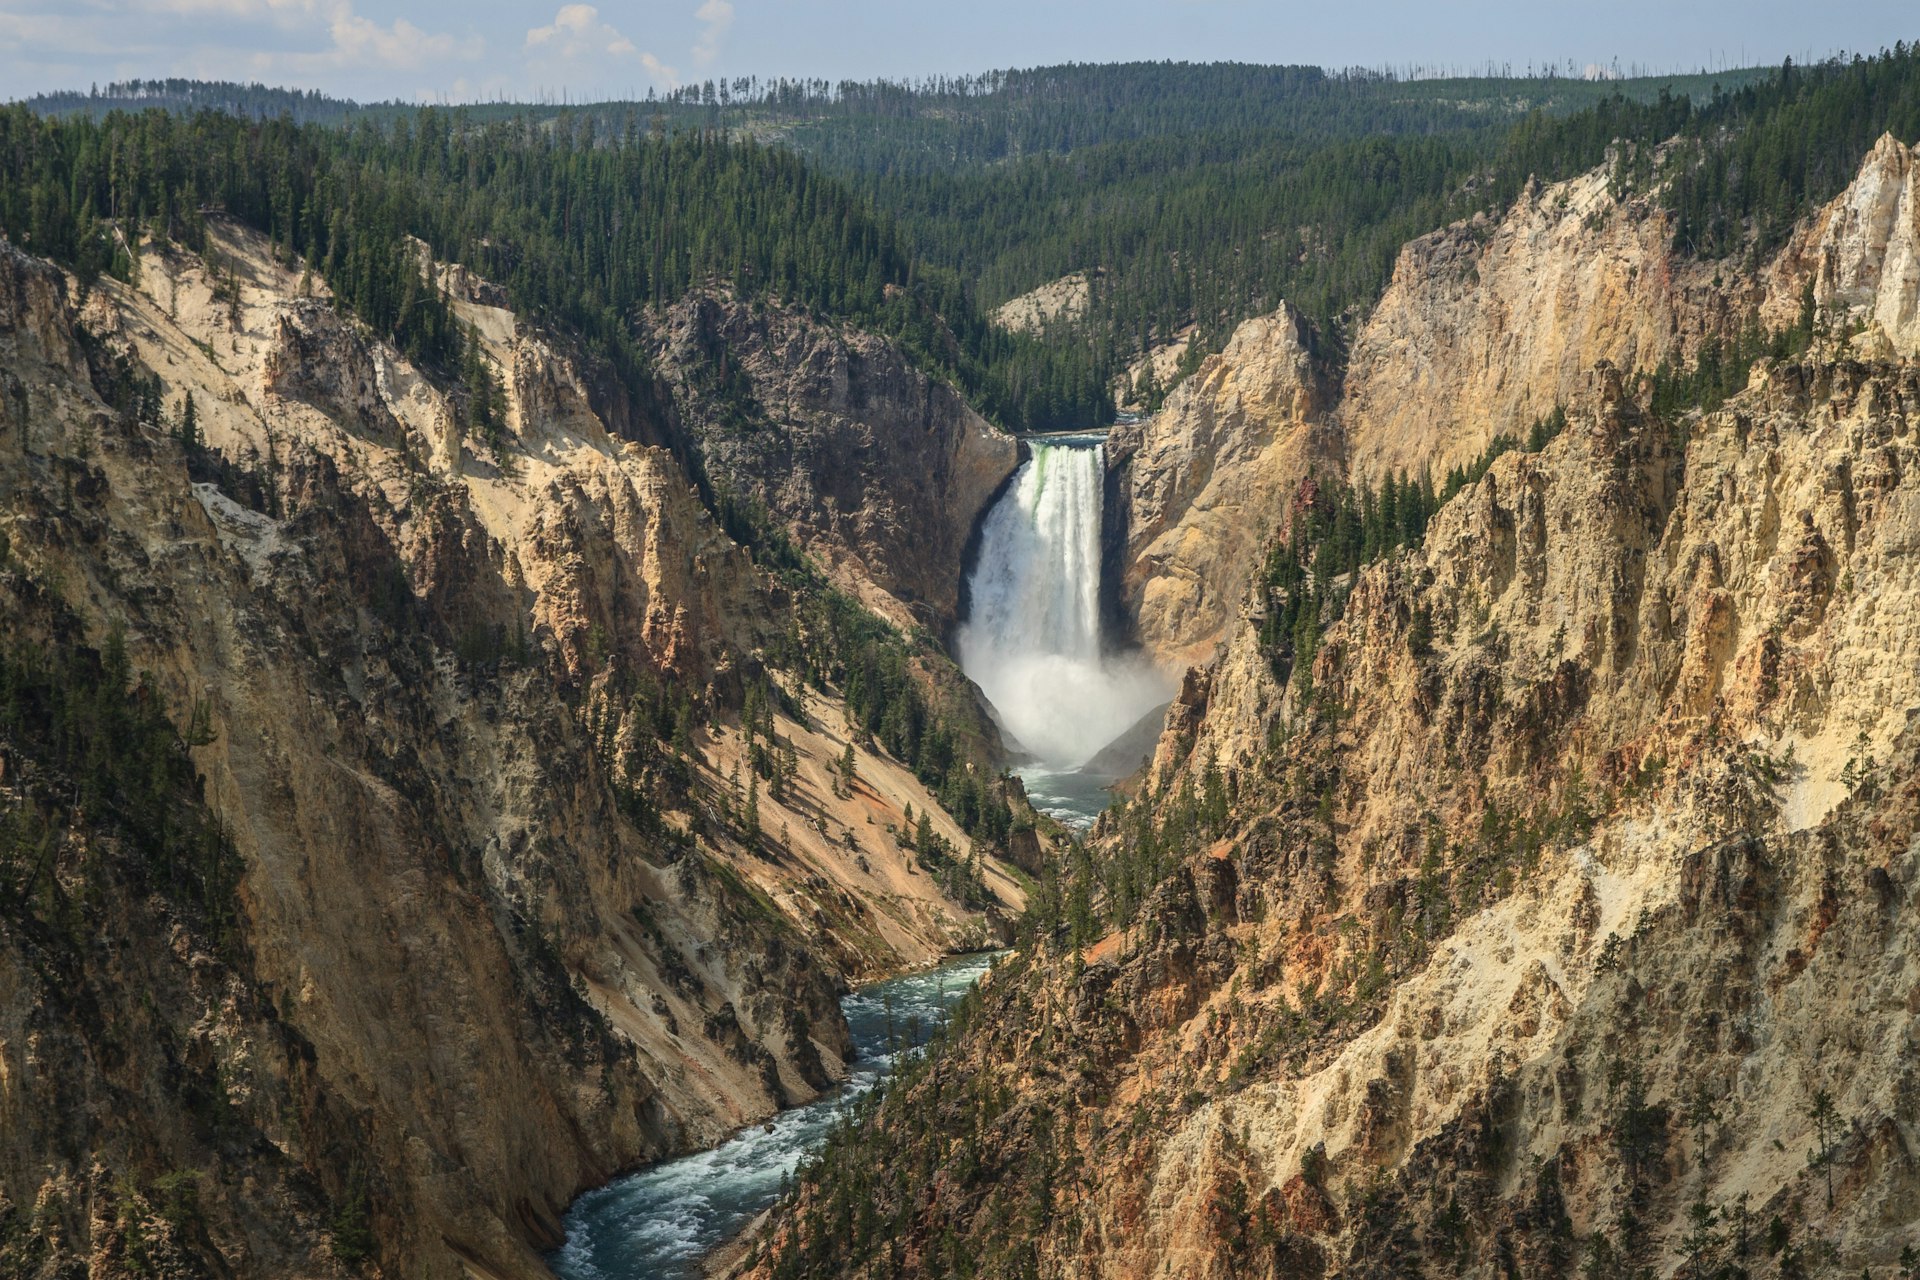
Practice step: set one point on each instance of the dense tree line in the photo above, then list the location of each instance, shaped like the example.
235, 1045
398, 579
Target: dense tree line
1755, 161
1210, 227
957, 122
1748, 162
583, 226
1203, 195
84, 736
1195, 195
968, 122
254, 101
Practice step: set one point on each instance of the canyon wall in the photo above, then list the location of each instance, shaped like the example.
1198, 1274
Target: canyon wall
481, 957
1200, 488
880, 471
1860, 257
1488, 324
1626, 838
1485, 327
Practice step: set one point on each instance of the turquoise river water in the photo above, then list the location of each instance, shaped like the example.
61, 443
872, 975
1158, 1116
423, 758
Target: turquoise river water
658, 1223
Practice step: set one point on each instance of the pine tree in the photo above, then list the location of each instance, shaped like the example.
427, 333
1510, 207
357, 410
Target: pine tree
189, 425
848, 772
1826, 1120
750, 820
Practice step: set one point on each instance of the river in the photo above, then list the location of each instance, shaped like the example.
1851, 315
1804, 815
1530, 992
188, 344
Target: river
660, 1222
1033, 642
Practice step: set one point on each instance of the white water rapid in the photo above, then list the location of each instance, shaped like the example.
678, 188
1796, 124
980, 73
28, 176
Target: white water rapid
1032, 636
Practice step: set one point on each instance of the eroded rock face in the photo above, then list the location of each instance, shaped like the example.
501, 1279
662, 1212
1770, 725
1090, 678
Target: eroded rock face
1201, 487
1487, 325
879, 470
1605, 613
416, 665
1861, 256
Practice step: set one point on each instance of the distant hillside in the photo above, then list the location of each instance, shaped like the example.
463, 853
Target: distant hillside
248, 101
954, 124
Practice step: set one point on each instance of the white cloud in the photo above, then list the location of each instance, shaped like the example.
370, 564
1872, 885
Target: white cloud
354, 42
358, 41
44, 34
715, 17
577, 32
243, 10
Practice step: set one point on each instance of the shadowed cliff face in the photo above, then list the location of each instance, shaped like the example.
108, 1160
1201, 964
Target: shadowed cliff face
490, 950
1547, 923
877, 469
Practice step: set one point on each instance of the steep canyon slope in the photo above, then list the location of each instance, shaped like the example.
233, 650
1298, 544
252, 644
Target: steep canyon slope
1485, 327
880, 470
1199, 489
481, 698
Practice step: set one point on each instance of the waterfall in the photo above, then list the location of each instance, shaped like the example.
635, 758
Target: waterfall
1032, 636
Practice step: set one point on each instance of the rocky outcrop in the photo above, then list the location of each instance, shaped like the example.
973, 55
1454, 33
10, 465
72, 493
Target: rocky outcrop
1199, 489
879, 470
1488, 324
1860, 257
501, 938
1063, 301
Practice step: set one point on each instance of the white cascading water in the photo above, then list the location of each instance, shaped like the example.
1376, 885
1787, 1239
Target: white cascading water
1032, 636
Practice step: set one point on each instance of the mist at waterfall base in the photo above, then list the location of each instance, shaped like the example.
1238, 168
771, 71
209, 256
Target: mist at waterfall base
1032, 638
661, 1222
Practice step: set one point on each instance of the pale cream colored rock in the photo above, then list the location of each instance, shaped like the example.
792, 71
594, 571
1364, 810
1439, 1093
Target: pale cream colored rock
1206, 483
1488, 324
1862, 256
1061, 301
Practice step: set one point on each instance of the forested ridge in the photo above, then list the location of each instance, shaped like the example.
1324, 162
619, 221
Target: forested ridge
959, 122
1212, 227
1192, 195
583, 225
253, 100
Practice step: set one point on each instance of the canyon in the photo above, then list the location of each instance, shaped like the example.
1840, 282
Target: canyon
533, 756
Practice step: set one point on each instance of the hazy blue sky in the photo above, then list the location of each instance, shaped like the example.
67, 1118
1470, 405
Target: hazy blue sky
484, 48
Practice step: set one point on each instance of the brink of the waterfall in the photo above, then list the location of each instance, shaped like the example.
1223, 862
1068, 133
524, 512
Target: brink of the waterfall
1032, 639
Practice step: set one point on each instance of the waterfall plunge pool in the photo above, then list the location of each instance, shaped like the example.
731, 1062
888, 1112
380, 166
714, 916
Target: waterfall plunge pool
661, 1222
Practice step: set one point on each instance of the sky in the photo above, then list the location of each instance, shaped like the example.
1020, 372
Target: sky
486, 49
